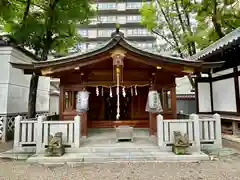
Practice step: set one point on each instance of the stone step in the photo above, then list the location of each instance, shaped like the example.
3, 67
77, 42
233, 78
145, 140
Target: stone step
114, 149
78, 158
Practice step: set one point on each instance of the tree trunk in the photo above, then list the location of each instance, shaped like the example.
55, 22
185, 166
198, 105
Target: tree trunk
32, 96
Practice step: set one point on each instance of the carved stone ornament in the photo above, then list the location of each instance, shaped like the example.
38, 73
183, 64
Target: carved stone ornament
181, 143
55, 146
117, 60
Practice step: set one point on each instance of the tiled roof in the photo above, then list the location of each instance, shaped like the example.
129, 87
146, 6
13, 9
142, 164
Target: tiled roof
229, 38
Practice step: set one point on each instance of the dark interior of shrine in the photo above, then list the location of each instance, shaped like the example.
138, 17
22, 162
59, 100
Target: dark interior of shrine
104, 106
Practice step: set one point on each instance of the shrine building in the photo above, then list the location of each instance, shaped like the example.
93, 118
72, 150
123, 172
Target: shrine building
117, 64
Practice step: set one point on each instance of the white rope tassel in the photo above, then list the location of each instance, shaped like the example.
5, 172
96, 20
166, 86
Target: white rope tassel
110, 94
118, 99
123, 92
102, 91
135, 90
131, 91
97, 91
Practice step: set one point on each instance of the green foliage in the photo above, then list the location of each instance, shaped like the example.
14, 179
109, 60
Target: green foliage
188, 25
46, 25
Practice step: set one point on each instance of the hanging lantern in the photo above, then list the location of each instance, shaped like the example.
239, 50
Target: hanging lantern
97, 91
110, 94
135, 90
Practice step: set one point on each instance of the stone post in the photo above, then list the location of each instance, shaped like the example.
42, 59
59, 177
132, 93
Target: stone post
77, 131
196, 126
4, 128
17, 135
218, 142
160, 134
39, 137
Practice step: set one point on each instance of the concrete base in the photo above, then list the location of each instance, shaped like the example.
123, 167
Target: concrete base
17, 154
79, 158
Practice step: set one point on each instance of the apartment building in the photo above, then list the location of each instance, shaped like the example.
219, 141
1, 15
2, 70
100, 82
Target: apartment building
109, 13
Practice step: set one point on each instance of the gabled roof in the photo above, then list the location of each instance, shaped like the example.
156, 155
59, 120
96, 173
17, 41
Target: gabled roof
116, 40
221, 43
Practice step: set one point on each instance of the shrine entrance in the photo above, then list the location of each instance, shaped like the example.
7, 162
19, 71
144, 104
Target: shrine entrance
103, 107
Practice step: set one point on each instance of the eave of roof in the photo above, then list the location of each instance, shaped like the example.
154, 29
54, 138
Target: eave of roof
221, 43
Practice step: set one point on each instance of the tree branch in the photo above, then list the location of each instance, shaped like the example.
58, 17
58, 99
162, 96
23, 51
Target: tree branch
177, 47
162, 36
216, 25
37, 5
188, 24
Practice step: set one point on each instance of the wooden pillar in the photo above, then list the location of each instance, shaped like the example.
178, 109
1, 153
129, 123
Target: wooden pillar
61, 102
152, 118
152, 124
84, 127
174, 102
211, 91
236, 86
84, 121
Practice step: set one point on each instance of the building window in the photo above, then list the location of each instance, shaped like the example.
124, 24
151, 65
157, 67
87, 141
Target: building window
107, 6
105, 33
107, 19
165, 96
83, 32
133, 18
137, 32
69, 100
134, 5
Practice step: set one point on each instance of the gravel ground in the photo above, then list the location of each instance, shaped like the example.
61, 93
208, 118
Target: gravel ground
227, 168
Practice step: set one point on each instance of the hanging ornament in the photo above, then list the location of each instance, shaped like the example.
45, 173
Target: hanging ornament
97, 91
135, 90
118, 99
102, 91
123, 92
131, 91
110, 94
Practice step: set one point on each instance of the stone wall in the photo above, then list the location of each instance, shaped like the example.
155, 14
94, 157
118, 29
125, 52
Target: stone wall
14, 88
14, 85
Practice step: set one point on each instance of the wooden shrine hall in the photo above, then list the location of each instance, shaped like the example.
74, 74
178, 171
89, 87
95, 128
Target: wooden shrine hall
117, 64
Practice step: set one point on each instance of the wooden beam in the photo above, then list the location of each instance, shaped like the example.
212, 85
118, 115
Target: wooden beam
167, 66
71, 65
111, 83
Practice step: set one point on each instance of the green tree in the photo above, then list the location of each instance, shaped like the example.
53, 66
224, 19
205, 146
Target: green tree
44, 27
171, 21
186, 26
216, 18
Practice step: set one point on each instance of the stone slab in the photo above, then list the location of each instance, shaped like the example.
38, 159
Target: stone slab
231, 138
75, 158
